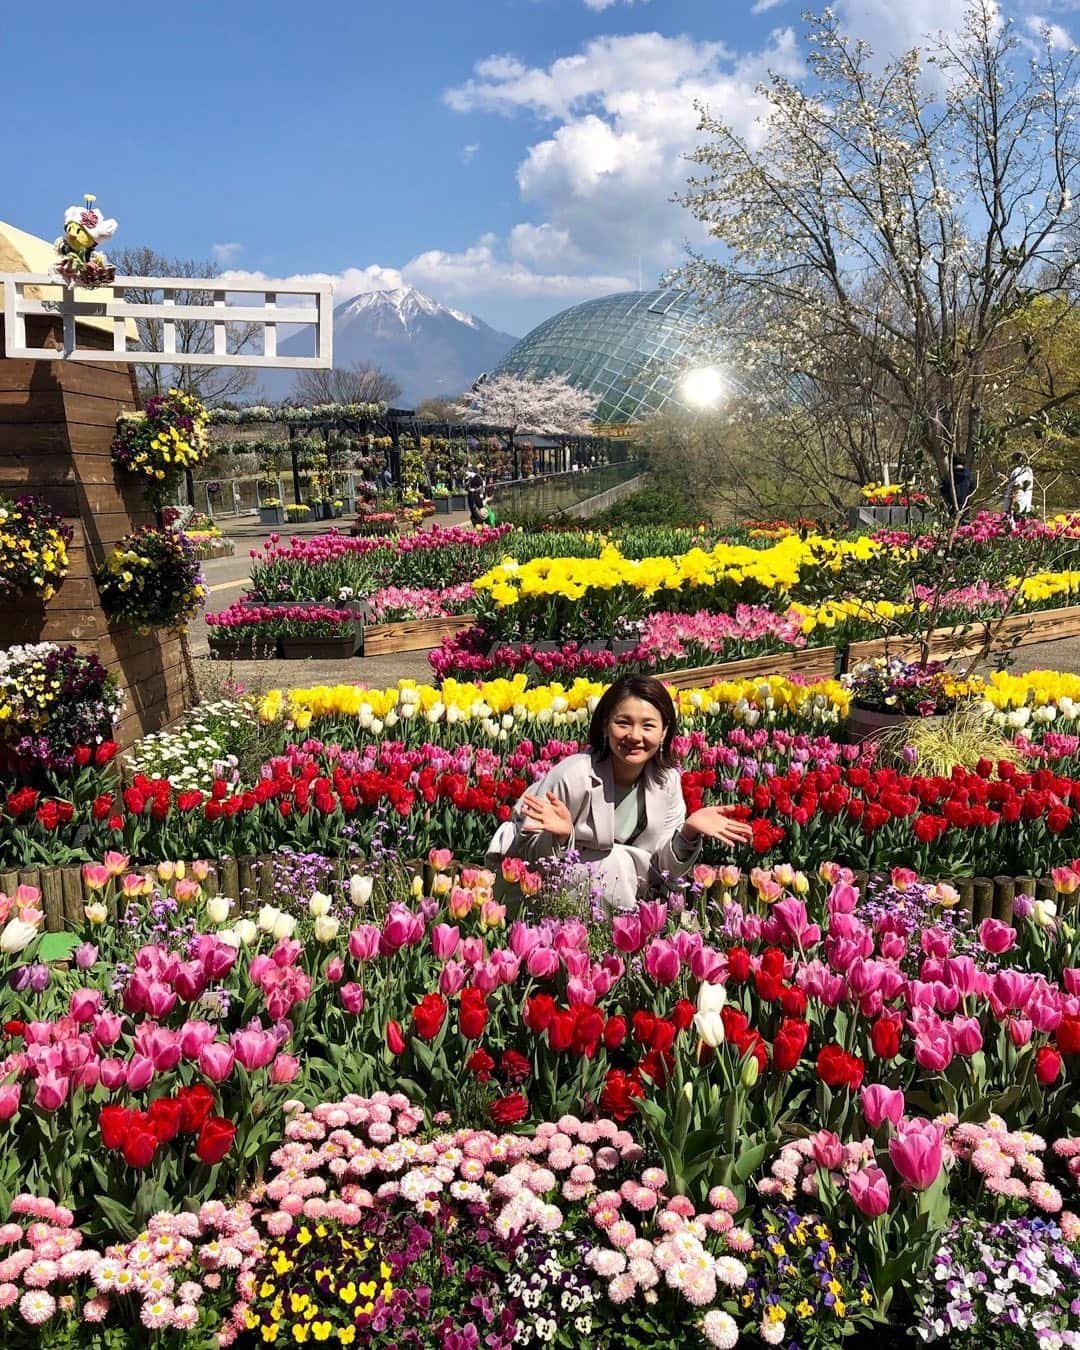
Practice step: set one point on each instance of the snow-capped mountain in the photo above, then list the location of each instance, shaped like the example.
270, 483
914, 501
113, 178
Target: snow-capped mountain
429, 349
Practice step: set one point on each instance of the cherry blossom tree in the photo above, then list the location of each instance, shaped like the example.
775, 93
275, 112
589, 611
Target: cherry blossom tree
887, 224
550, 406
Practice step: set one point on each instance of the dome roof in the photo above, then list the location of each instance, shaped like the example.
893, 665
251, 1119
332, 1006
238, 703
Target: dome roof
627, 349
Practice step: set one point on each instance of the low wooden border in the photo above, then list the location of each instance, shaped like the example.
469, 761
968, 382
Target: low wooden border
815, 663
1026, 629
249, 880
412, 635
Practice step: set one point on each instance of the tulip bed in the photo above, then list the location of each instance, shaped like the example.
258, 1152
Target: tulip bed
384, 1105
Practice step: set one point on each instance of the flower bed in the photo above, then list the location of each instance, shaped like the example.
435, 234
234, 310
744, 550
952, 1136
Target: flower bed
266, 630
723, 1113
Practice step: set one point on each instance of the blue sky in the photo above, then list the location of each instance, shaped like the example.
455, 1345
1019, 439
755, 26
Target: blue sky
506, 156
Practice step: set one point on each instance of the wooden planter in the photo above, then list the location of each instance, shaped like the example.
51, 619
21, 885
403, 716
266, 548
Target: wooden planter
242, 649
322, 649
412, 635
813, 663
867, 724
1028, 628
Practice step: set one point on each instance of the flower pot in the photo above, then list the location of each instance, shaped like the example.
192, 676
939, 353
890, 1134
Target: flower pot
271, 515
242, 648
623, 646
324, 649
867, 724
459, 501
443, 505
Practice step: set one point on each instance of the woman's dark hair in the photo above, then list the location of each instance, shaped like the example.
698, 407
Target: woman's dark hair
648, 690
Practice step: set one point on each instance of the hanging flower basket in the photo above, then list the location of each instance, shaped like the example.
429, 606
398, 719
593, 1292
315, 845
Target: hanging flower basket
151, 580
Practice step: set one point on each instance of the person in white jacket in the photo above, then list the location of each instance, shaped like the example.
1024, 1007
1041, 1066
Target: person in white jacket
619, 807
1019, 487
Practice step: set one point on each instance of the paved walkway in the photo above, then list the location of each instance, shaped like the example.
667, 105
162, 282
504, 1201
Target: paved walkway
227, 578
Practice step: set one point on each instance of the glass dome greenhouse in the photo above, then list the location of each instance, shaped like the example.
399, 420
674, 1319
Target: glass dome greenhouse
628, 349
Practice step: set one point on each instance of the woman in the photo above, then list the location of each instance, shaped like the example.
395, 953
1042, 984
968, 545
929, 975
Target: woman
475, 498
619, 807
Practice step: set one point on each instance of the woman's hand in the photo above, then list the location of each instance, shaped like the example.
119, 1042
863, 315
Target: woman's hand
715, 822
550, 814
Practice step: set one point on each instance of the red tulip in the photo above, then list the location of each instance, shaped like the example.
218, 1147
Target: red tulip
215, 1139
165, 1117
789, 1043
113, 1122
196, 1103
509, 1110
139, 1147
473, 1013
429, 1015
395, 1041
1047, 1065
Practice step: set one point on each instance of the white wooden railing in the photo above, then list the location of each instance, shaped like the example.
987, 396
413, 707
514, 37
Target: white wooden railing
28, 294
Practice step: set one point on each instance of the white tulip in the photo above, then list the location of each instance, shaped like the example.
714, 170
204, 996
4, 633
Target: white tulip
453, 714
1043, 913
360, 889
268, 916
319, 905
326, 928
285, 927
17, 935
246, 931
96, 913
710, 1028
376, 725
218, 908
230, 937
711, 998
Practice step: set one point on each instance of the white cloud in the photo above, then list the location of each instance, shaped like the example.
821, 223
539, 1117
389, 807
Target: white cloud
623, 120
600, 5
226, 253
468, 152
1059, 37
890, 28
763, 6
481, 269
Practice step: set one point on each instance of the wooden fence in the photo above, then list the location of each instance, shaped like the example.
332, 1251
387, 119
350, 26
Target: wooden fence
250, 880
814, 663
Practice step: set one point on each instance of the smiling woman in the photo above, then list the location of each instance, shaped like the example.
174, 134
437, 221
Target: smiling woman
618, 808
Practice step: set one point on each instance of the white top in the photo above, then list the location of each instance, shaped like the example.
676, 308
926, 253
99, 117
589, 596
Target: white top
1019, 487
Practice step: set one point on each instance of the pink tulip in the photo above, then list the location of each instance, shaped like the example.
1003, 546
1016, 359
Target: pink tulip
915, 1151
190, 980
580, 992
995, 936
284, 1069
577, 963
287, 952
193, 1036
935, 942
96, 875
1013, 988
843, 898
880, 1104
87, 1077
828, 1151
159, 1000
507, 965
364, 942
253, 1047
870, 1193
789, 925
653, 916
626, 933
217, 957
51, 1091
934, 1049
334, 970
1044, 1012
444, 941
893, 946
662, 961
473, 951
138, 1072
216, 1061
1071, 977
401, 928
85, 1004
707, 965
113, 1073
9, 1102
352, 998
485, 977
523, 938
452, 978
542, 962
1020, 1031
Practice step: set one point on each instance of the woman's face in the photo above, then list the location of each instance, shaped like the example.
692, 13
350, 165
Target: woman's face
635, 733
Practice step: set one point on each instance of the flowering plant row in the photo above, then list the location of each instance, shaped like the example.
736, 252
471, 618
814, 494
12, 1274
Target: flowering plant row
658, 1062
266, 622
151, 579
33, 548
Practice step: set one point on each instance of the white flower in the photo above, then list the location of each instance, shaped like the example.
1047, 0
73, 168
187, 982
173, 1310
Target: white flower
284, 927
326, 928
268, 917
17, 935
360, 889
246, 931
217, 909
319, 904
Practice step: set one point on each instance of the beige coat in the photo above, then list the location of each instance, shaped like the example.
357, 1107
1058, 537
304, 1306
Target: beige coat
626, 871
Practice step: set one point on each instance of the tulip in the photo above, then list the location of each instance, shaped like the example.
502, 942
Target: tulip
217, 909
85, 1004
1047, 1065
284, 1069
662, 961
444, 941
870, 1193
653, 916
268, 917
626, 933
334, 970
352, 998
193, 1036
995, 936
326, 928
1043, 913
9, 1099
452, 978
187, 891
107, 1028
245, 931
253, 1047
711, 998
95, 913
364, 942
86, 954
880, 1104
395, 1041
216, 1061
915, 1151
284, 927
17, 935
319, 904
115, 863
96, 875
138, 1072
828, 1151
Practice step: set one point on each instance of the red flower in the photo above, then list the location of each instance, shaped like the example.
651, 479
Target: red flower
1057, 819
539, 1010
509, 1110
838, 1069
614, 1032
429, 1015
515, 1068
738, 960
588, 1030
14, 1028
166, 1114
561, 1031
82, 755
617, 1098
683, 1014
113, 1122
644, 1024
789, 1043
473, 1013
196, 1103
885, 1035
769, 987
215, 1139
481, 1064
106, 750
395, 1041
1047, 1065
139, 1147
1068, 1035
793, 1002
